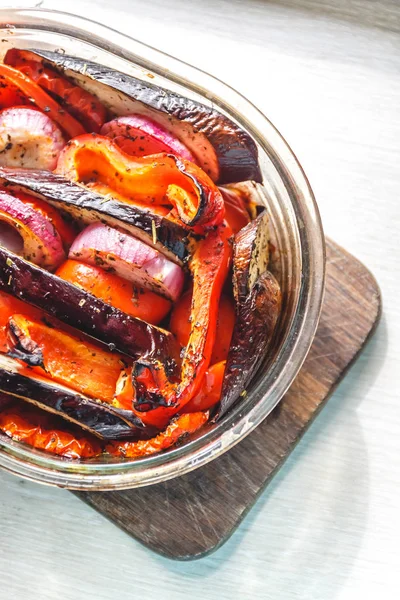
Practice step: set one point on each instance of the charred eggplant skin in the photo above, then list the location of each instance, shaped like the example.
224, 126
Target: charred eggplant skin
106, 422
24, 349
5, 400
87, 206
258, 304
81, 310
235, 150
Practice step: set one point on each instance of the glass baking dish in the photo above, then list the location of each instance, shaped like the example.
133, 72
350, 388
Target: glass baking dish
299, 262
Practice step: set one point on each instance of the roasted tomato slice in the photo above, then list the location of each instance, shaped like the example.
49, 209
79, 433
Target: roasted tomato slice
116, 291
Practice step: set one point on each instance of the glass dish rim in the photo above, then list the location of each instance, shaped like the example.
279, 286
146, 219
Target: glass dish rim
154, 469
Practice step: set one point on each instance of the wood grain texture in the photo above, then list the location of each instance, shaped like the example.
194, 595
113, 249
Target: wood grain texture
190, 516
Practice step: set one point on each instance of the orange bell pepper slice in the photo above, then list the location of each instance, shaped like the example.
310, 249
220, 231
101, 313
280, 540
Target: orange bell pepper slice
180, 324
179, 428
44, 101
150, 180
64, 229
10, 306
74, 362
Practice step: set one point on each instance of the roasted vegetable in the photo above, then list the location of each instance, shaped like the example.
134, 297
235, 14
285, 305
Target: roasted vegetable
83, 311
10, 306
130, 258
64, 357
134, 204
11, 96
177, 430
180, 324
42, 243
209, 393
236, 209
79, 103
221, 148
66, 230
27, 423
99, 418
157, 398
149, 181
140, 136
87, 207
10, 76
29, 138
258, 302
117, 292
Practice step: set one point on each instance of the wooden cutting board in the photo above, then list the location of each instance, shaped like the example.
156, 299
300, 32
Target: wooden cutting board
190, 516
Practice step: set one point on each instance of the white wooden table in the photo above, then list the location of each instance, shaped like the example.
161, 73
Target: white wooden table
327, 74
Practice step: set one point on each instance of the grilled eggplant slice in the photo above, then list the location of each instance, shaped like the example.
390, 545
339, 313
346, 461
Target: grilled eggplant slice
223, 150
85, 312
5, 400
258, 303
87, 207
99, 418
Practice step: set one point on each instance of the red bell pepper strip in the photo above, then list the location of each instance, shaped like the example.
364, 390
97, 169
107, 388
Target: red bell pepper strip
236, 213
180, 324
151, 180
11, 96
156, 397
81, 104
179, 428
117, 292
44, 101
32, 426
210, 392
207, 396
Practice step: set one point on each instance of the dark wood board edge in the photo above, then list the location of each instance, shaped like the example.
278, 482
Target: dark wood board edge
102, 501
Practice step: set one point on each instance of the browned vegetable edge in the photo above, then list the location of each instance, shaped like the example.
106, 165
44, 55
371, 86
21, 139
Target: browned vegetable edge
257, 303
235, 151
85, 312
86, 207
100, 419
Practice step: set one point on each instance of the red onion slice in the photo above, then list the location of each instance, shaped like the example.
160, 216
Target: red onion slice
129, 258
29, 138
42, 243
10, 238
140, 136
